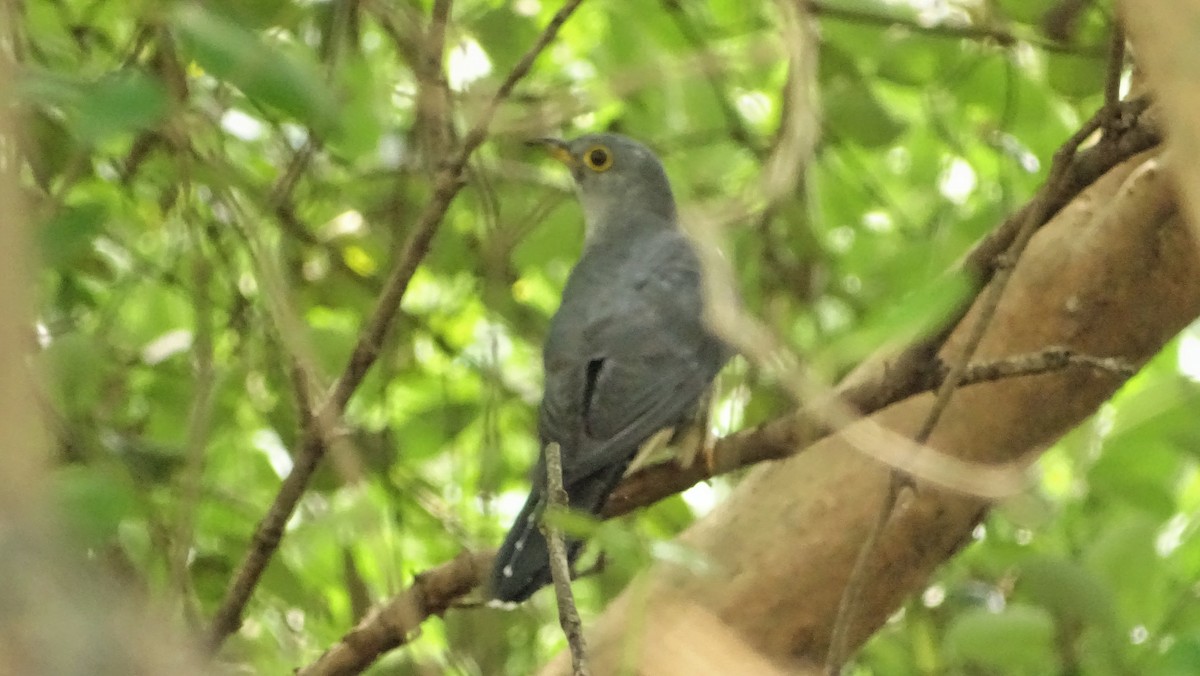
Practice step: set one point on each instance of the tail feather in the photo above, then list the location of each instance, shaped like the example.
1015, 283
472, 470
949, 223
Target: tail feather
522, 564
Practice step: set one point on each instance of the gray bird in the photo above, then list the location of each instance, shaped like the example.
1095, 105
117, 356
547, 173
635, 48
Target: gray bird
628, 353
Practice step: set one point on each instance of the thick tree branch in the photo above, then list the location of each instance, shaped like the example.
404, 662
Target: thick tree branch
1163, 35
1038, 214
989, 302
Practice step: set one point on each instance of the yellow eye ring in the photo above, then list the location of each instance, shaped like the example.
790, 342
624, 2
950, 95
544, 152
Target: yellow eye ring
598, 158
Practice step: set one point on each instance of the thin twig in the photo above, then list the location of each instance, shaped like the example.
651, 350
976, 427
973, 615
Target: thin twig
784, 437
1048, 360
1000, 36
712, 64
198, 428
433, 96
988, 303
447, 186
560, 568
269, 531
1112, 82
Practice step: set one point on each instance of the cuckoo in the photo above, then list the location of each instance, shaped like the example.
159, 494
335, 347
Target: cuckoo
628, 352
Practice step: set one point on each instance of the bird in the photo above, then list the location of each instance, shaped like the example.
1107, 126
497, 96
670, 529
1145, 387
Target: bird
628, 352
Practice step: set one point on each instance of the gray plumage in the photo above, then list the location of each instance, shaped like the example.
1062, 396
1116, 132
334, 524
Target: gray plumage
627, 354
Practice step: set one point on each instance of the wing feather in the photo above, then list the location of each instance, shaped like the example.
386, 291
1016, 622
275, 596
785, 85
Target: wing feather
641, 322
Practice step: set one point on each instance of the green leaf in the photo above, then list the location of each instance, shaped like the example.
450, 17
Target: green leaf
1025, 11
1140, 470
357, 134
916, 60
571, 522
1075, 75
257, 14
853, 113
1073, 593
265, 73
48, 145
1180, 659
96, 111
78, 371
149, 310
425, 433
506, 36
93, 503
68, 236
1144, 452
1163, 407
1017, 640
120, 103
1123, 556
898, 320
147, 461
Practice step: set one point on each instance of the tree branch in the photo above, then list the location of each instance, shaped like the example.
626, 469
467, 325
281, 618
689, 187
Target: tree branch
399, 620
560, 569
788, 435
269, 531
999, 35
1035, 216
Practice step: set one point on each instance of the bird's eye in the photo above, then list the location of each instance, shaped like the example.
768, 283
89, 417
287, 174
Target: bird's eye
598, 158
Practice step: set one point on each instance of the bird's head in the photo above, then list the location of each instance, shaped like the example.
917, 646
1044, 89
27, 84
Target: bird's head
614, 176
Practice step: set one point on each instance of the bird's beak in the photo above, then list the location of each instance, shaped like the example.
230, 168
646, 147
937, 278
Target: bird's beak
556, 147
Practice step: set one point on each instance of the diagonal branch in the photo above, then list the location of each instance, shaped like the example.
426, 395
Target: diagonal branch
786, 436
1034, 217
449, 181
395, 623
1037, 214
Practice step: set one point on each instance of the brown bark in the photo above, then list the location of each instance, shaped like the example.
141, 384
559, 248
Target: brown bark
1113, 274
1164, 37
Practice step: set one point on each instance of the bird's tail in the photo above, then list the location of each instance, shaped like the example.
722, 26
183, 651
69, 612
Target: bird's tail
522, 563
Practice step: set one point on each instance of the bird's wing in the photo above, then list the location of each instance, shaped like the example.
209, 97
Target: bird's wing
633, 355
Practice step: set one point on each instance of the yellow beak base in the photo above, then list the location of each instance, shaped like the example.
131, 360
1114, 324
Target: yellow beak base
557, 148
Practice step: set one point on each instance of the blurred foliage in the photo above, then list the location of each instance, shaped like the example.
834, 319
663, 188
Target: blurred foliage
180, 154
